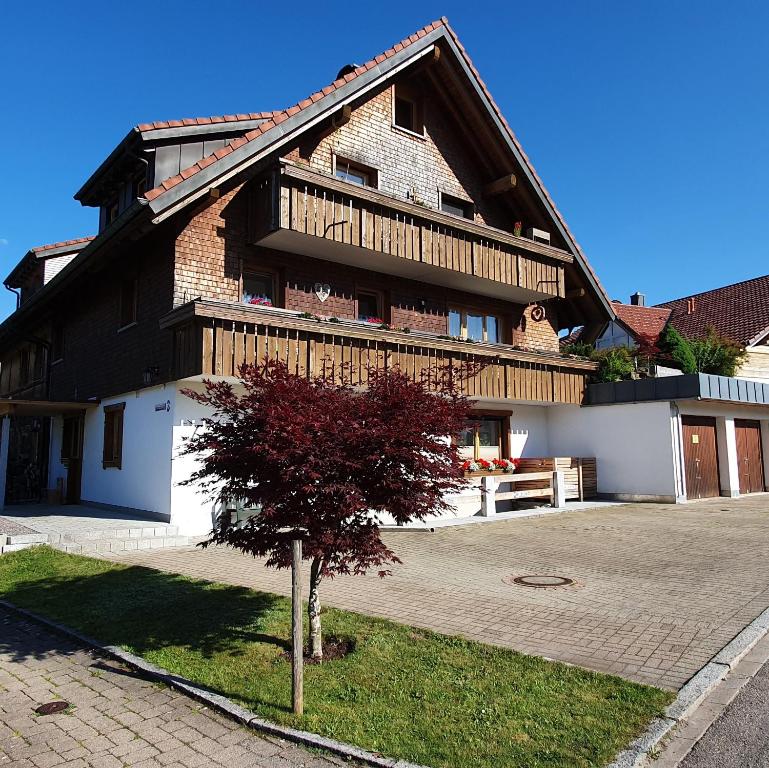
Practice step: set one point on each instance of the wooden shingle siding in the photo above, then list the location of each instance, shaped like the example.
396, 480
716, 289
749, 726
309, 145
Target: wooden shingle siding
215, 346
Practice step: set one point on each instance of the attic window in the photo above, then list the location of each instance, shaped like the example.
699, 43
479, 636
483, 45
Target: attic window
355, 173
407, 110
456, 206
112, 211
140, 185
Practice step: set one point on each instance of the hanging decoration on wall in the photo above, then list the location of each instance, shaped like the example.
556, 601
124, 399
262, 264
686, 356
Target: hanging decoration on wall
322, 291
538, 313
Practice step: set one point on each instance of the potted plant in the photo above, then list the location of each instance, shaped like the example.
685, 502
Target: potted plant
517, 228
476, 467
506, 466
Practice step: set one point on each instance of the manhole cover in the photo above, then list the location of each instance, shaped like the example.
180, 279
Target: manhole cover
52, 707
539, 581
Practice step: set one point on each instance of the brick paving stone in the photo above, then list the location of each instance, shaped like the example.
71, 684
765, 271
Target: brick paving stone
118, 719
660, 588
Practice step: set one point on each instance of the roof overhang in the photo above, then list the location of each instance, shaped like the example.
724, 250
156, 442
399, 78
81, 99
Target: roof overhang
42, 407
695, 386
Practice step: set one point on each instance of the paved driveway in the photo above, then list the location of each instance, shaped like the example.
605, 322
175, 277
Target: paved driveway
659, 588
117, 719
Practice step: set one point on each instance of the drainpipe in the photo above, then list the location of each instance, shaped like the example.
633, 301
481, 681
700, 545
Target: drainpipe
679, 449
16, 292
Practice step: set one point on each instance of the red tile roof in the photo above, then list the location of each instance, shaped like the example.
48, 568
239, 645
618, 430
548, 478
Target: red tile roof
50, 246
159, 124
275, 118
642, 321
739, 311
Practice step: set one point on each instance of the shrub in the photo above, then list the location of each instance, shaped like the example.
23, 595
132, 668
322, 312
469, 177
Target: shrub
678, 349
616, 364
717, 354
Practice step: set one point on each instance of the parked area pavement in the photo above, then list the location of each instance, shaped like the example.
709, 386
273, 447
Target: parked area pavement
658, 588
116, 718
729, 729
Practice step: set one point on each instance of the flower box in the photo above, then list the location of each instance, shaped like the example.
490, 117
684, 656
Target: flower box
481, 467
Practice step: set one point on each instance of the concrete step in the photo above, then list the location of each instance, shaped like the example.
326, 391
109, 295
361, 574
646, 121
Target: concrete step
102, 534
91, 546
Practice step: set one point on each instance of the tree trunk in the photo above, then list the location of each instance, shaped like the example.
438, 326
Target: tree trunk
313, 611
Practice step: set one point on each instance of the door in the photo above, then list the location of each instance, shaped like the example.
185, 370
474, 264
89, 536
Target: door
700, 457
749, 456
72, 456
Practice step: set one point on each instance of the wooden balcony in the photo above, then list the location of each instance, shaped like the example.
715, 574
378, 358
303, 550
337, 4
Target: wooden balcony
213, 338
302, 211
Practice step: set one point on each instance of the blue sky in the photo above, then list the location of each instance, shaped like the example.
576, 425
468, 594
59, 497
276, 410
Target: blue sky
648, 122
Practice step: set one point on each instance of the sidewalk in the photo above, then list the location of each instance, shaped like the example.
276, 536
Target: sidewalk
116, 719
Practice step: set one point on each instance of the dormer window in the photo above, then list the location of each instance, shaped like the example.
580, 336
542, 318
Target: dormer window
112, 211
354, 173
407, 110
140, 185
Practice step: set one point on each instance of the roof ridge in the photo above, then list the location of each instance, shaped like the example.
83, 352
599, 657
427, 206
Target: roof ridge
62, 244
713, 290
211, 120
281, 115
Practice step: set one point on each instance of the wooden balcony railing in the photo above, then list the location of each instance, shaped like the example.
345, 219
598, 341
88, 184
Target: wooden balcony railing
297, 209
213, 339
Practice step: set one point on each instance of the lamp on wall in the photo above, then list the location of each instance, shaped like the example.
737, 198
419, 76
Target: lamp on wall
150, 373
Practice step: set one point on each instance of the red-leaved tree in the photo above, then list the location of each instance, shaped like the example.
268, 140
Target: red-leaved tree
327, 459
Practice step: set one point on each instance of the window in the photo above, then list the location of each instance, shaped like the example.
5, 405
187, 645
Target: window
407, 109
369, 306
354, 173
456, 206
24, 366
482, 438
475, 326
259, 289
112, 211
140, 185
128, 291
113, 436
57, 343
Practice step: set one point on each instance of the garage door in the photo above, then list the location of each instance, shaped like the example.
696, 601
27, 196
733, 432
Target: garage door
749, 456
700, 457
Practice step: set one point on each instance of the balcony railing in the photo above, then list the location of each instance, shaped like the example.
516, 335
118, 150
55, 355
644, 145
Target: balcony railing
214, 338
296, 209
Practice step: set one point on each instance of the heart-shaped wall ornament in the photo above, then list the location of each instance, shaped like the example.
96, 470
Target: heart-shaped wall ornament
322, 291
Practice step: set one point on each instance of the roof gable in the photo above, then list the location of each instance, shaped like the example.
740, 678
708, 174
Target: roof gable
642, 321
191, 183
739, 311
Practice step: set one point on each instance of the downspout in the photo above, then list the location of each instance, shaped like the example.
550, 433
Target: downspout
679, 450
16, 292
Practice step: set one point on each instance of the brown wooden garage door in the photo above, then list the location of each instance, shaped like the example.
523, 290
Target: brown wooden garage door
700, 457
749, 455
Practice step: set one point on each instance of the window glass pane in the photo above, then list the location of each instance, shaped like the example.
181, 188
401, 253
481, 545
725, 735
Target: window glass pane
455, 323
488, 432
258, 289
368, 307
492, 332
456, 206
404, 114
351, 174
466, 437
475, 327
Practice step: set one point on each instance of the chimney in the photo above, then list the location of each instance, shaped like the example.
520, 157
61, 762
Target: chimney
638, 299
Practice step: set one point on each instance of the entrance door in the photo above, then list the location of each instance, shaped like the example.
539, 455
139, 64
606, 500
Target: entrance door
749, 456
700, 457
72, 456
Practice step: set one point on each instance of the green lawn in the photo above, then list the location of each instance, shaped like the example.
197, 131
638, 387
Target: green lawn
407, 693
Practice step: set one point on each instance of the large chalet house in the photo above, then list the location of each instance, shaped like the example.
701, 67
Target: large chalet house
391, 218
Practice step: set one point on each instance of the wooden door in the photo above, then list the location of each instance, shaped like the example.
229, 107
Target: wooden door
700, 457
72, 456
749, 456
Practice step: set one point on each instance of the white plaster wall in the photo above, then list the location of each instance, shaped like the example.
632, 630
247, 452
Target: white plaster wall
191, 510
144, 481
632, 443
529, 432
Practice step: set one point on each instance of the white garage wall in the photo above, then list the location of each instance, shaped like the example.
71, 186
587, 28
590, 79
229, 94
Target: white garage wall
144, 481
632, 443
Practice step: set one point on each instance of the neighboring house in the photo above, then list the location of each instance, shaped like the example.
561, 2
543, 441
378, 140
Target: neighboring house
739, 311
373, 223
634, 323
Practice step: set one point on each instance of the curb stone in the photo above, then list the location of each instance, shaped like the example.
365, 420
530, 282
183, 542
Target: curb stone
692, 694
215, 700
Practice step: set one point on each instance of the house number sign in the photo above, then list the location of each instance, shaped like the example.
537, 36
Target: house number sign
322, 291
